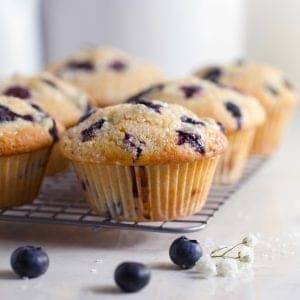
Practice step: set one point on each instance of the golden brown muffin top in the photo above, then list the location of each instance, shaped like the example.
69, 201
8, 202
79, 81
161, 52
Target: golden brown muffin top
64, 102
107, 74
231, 108
143, 132
267, 83
24, 127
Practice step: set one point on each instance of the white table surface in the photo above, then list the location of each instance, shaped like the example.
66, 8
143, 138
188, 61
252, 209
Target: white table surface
268, 204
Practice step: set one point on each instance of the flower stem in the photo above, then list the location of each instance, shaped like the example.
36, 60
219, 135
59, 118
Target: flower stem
224, 254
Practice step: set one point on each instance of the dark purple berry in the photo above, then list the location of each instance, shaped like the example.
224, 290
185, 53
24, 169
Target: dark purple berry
131, 145
145, 92
191, 90
17, 91
118, 66
86, 115
132, 276
6, 115
185, 253
235, 112
186, 119
271, 89
29, 261
54, 132
89, 133
80, 65
213, 74
194, 140
156, 107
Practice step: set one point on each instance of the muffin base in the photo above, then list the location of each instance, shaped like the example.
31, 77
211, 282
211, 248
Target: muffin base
268, 136
57, 162
146, 193
232, 163
21, 177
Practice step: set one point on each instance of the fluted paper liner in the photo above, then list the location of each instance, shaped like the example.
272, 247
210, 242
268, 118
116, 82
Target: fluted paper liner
21, 177
232, 163
146, 193
268, 136
57, 162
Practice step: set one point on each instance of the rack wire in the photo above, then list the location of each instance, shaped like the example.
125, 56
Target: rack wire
61, 202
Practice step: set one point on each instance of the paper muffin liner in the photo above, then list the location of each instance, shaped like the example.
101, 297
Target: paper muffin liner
146, 193
57, 162
21, 176
268, 136
232, 163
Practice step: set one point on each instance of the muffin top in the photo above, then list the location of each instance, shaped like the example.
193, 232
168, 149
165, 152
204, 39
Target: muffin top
268, 84
24, 127
64, 102
231, 108
108, 75
143, 132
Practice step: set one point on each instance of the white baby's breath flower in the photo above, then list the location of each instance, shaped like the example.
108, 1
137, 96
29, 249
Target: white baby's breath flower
206, 267
250, 240
246, 255
227, 267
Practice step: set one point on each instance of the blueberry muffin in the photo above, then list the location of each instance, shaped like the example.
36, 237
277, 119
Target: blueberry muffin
145, 160
271, 87
239, 115
65, 103
108, 75
26, 137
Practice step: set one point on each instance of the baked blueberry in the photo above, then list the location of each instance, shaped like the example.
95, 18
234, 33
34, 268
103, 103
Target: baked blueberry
117, 65
145, 92
17, 91
6, 115
271, 89
185, 253
190, 90
89, 133
54, 132
186, 119
131, 145
81, 65
86, 115
29, 261
194, 140
235, 112
156, 107
132, 276
213, 74
50, 83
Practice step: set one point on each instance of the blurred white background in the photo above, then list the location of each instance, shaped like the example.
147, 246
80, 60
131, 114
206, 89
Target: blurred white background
178, 35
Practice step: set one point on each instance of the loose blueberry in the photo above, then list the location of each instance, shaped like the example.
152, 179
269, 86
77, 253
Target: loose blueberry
29, 261
186, 119
80, 65
190, 90
185, 253
235, 112
213, 74
18, 91
194, 140
149, 104
132, 276
118, 66
89, 133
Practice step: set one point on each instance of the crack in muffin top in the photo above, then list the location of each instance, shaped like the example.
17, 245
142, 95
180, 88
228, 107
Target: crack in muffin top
231, 108
136, 134
63, 102
267, 83
24, 127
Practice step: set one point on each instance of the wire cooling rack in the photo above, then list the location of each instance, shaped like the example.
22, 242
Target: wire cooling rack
61, 202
